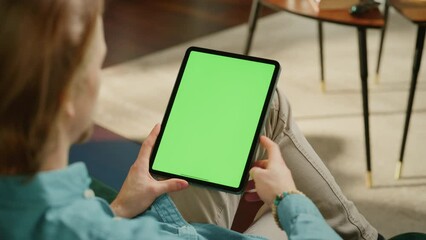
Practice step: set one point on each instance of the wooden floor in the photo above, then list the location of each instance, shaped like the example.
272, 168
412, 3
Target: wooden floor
134, 28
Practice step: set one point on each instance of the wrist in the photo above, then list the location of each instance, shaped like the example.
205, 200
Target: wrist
278, 199
118, 209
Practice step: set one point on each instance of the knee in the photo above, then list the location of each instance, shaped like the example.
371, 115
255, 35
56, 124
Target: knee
279, 118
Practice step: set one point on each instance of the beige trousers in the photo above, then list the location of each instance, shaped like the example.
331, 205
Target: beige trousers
310, 175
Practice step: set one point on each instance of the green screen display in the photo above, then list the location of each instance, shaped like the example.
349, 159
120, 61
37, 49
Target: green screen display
214, 117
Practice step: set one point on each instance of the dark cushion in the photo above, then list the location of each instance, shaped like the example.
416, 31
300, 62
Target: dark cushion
410, 236
103, 191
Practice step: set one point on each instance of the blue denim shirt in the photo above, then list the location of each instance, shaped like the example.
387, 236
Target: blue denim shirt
60, 205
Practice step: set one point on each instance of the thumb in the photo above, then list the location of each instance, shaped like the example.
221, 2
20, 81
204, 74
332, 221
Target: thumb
171, 185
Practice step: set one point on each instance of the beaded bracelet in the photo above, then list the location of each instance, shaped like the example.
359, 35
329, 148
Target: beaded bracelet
277, 201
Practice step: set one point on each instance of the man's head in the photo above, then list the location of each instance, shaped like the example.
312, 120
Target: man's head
51, 52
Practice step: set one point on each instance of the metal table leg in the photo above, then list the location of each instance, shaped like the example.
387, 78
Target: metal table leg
321, 48
416, 67
382, 38
256, 7
362, 42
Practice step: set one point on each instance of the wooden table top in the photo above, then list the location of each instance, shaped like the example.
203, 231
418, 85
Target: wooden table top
373, 19
413, 10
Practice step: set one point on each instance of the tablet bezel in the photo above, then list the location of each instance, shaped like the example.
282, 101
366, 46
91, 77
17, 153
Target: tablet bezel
255, 141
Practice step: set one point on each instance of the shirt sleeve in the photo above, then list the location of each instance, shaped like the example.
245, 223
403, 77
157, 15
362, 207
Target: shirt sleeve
301, 219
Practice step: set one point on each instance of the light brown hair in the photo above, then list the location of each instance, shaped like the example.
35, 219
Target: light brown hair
42, 43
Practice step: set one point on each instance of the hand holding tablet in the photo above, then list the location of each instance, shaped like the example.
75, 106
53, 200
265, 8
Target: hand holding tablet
211, 127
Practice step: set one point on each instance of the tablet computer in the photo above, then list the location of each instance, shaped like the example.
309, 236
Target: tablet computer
210, 130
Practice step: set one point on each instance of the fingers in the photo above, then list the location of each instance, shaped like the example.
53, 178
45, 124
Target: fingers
250, 194
147, 145
256, 172
250, 187
260, 163
271, 147
171, 185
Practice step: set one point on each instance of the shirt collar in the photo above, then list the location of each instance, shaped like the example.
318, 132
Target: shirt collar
45, 188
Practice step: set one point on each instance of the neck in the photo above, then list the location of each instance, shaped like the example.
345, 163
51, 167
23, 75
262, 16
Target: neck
56, 153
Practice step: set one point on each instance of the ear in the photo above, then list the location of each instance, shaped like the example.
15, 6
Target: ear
69, 108
68, 105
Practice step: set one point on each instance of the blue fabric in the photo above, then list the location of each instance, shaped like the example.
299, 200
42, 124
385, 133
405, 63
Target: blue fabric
302, 220
58, 205
53, 205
